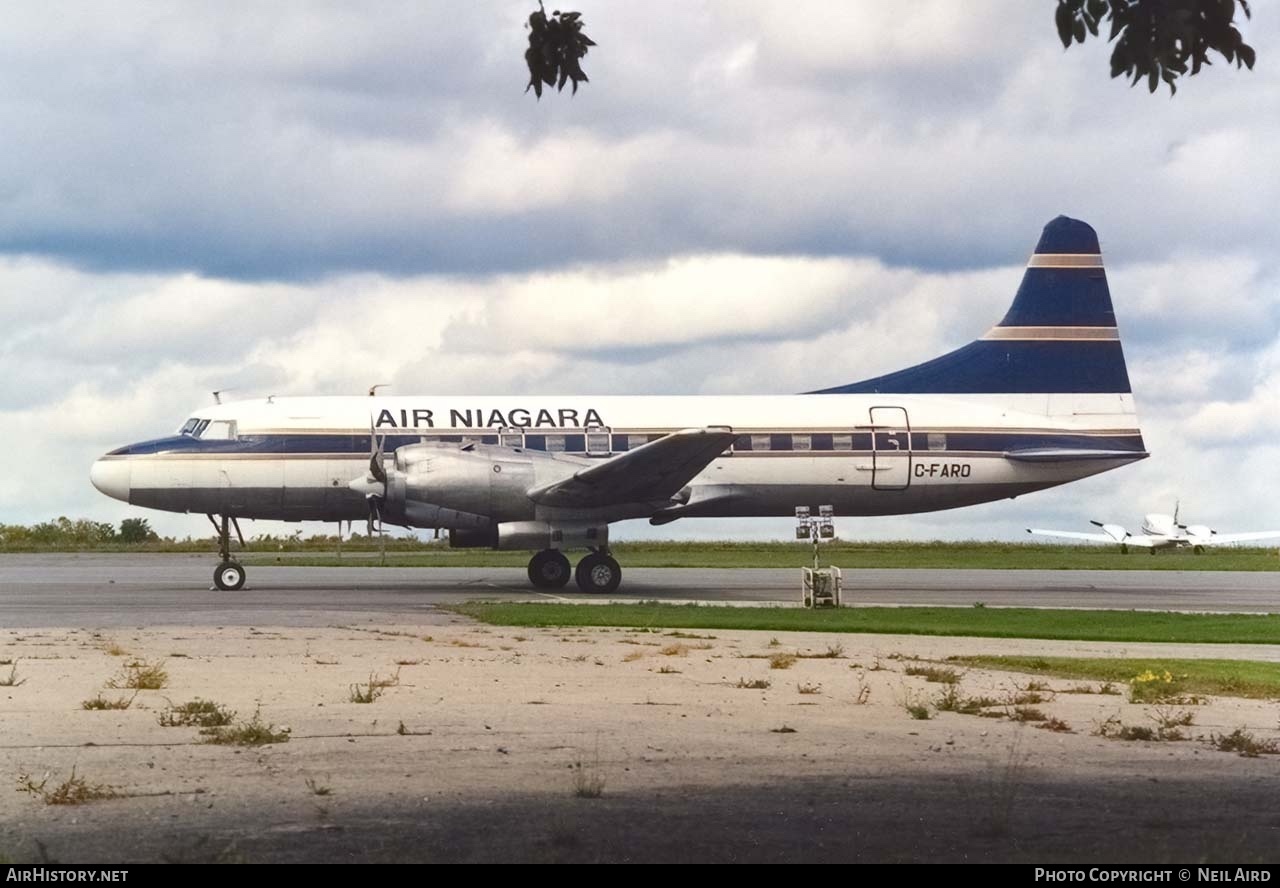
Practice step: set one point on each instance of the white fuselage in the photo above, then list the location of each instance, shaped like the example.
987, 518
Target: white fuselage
294, 458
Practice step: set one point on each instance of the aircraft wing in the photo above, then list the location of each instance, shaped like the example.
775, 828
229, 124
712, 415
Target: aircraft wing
1220, 539
1143, 541
654, 472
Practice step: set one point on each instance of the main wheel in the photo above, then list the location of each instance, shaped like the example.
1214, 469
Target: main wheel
229, 576
1124, 550
1199, 550
549, 569
598, 573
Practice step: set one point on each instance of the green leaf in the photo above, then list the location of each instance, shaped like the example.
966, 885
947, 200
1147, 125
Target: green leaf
1062, 18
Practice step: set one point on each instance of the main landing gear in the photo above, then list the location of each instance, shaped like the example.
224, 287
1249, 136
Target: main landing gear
596, 572
229, 574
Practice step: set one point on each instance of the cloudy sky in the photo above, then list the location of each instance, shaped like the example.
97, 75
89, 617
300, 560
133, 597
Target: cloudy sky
308, 198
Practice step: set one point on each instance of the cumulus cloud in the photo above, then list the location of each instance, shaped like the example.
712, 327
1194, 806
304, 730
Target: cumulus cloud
315, 198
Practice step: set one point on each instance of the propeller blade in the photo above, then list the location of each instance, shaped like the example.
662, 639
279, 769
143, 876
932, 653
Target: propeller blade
377, 471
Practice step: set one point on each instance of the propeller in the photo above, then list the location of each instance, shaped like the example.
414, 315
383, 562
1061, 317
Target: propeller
374, 483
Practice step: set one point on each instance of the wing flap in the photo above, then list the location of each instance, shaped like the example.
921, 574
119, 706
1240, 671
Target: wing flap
654, 472
1143, 541
1222, 539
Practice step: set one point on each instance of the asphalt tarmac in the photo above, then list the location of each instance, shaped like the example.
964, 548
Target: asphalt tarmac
96, 590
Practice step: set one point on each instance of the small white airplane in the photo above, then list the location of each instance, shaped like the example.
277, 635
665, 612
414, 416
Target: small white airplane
1041, 399
1161, 532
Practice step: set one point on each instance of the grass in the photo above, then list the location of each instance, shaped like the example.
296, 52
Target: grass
782, 661
950, 699
197, 713
807, 688
1080, 625
317, 788
934, 674
254, 732
916, 707
1113, 729
1229, 678
141, 675
12, 680
373, 689
101, 703
588, 780
72, 791
844, 554
366, 693
1242, 742
755, 684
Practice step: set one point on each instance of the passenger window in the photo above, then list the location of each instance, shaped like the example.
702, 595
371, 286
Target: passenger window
555, 443
800, 442
511, 437
634, 441
760, 442
597, 441
842, 442
937, 441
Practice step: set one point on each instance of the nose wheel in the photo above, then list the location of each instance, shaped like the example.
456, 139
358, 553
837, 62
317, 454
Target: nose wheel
598, 573
549, 569
229, 576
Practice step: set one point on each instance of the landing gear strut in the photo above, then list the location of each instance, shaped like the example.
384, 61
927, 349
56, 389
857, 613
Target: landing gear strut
598, 572
549, 569
229, 574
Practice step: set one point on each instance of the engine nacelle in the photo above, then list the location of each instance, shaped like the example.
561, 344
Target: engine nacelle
1199, 530
1115, 531
461, 489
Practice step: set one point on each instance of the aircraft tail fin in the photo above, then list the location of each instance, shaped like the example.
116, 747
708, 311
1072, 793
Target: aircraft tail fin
1058, 337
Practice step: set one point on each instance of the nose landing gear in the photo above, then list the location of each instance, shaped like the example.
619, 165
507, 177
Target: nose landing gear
229, 574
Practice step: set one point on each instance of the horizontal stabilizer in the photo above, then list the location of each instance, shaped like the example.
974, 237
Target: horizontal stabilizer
1223, 539
1070, 454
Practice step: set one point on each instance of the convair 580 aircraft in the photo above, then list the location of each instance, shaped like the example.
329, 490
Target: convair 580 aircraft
1041, 399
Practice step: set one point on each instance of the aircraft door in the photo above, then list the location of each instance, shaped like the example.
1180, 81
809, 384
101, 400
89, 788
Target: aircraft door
890, 448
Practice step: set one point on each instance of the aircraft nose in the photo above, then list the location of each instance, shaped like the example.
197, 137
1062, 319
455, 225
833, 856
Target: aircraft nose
111, 476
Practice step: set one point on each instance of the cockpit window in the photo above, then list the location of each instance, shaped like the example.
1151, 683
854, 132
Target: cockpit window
217, 430
200, 427
189, 426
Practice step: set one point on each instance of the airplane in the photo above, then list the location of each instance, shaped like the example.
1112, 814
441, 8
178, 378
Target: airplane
1041, 399
1161, 532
